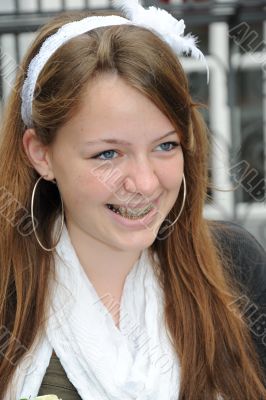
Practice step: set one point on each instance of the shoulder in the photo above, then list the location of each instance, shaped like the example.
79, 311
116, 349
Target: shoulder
234, 235
248, 261
246, 255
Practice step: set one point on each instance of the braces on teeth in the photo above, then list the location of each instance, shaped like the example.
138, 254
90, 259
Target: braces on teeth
128, 213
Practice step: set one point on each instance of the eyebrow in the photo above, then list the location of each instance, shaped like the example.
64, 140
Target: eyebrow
124, 142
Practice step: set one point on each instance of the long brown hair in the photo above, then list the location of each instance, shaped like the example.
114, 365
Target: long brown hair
214, 346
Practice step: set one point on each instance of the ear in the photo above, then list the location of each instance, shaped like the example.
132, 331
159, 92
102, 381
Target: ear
38, 154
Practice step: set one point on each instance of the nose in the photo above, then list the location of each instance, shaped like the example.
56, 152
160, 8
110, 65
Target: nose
142, 178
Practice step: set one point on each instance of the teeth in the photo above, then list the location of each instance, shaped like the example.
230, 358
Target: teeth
130, 213
135, 211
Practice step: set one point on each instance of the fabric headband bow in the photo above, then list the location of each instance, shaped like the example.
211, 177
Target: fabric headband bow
155, 19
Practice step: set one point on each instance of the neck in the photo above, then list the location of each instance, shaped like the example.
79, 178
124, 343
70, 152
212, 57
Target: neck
105, 266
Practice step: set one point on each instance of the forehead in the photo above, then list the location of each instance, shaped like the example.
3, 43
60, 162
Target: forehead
111, 109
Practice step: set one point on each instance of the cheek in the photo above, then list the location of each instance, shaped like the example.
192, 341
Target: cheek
173, 182
78, 183
90, 188
171, 175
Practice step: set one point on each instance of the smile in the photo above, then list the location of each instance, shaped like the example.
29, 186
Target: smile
129, 213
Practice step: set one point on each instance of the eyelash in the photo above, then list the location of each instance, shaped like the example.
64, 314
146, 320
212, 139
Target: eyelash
174, 144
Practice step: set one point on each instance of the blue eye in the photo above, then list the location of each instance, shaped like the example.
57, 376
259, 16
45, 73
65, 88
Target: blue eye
174, 144
108, 153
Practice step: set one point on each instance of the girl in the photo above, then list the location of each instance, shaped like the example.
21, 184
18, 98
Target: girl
113, 285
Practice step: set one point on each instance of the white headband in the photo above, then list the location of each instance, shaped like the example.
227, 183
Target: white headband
159, 21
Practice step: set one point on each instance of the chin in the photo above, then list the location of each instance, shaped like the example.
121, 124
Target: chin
138, 243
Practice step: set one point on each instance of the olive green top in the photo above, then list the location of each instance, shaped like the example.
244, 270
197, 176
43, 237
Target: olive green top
56, 382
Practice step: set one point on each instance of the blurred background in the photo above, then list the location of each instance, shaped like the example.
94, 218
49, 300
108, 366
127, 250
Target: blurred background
232, 35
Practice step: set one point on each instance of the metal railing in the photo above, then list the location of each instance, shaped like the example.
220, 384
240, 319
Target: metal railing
195, 12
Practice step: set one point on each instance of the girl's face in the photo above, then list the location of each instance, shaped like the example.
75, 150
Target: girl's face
118, 149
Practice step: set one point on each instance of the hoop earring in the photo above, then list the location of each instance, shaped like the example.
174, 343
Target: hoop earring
183, 201
32, 217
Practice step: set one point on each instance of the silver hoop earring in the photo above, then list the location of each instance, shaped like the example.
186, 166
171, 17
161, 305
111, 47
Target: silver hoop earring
183, 201
32, 217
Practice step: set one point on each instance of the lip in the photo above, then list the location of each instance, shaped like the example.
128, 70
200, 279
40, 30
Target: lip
136, 223
131, 223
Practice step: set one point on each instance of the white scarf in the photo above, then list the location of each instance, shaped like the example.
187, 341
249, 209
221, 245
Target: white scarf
103, 362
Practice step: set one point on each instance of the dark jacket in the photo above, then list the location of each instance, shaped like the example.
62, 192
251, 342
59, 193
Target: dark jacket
249, 270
